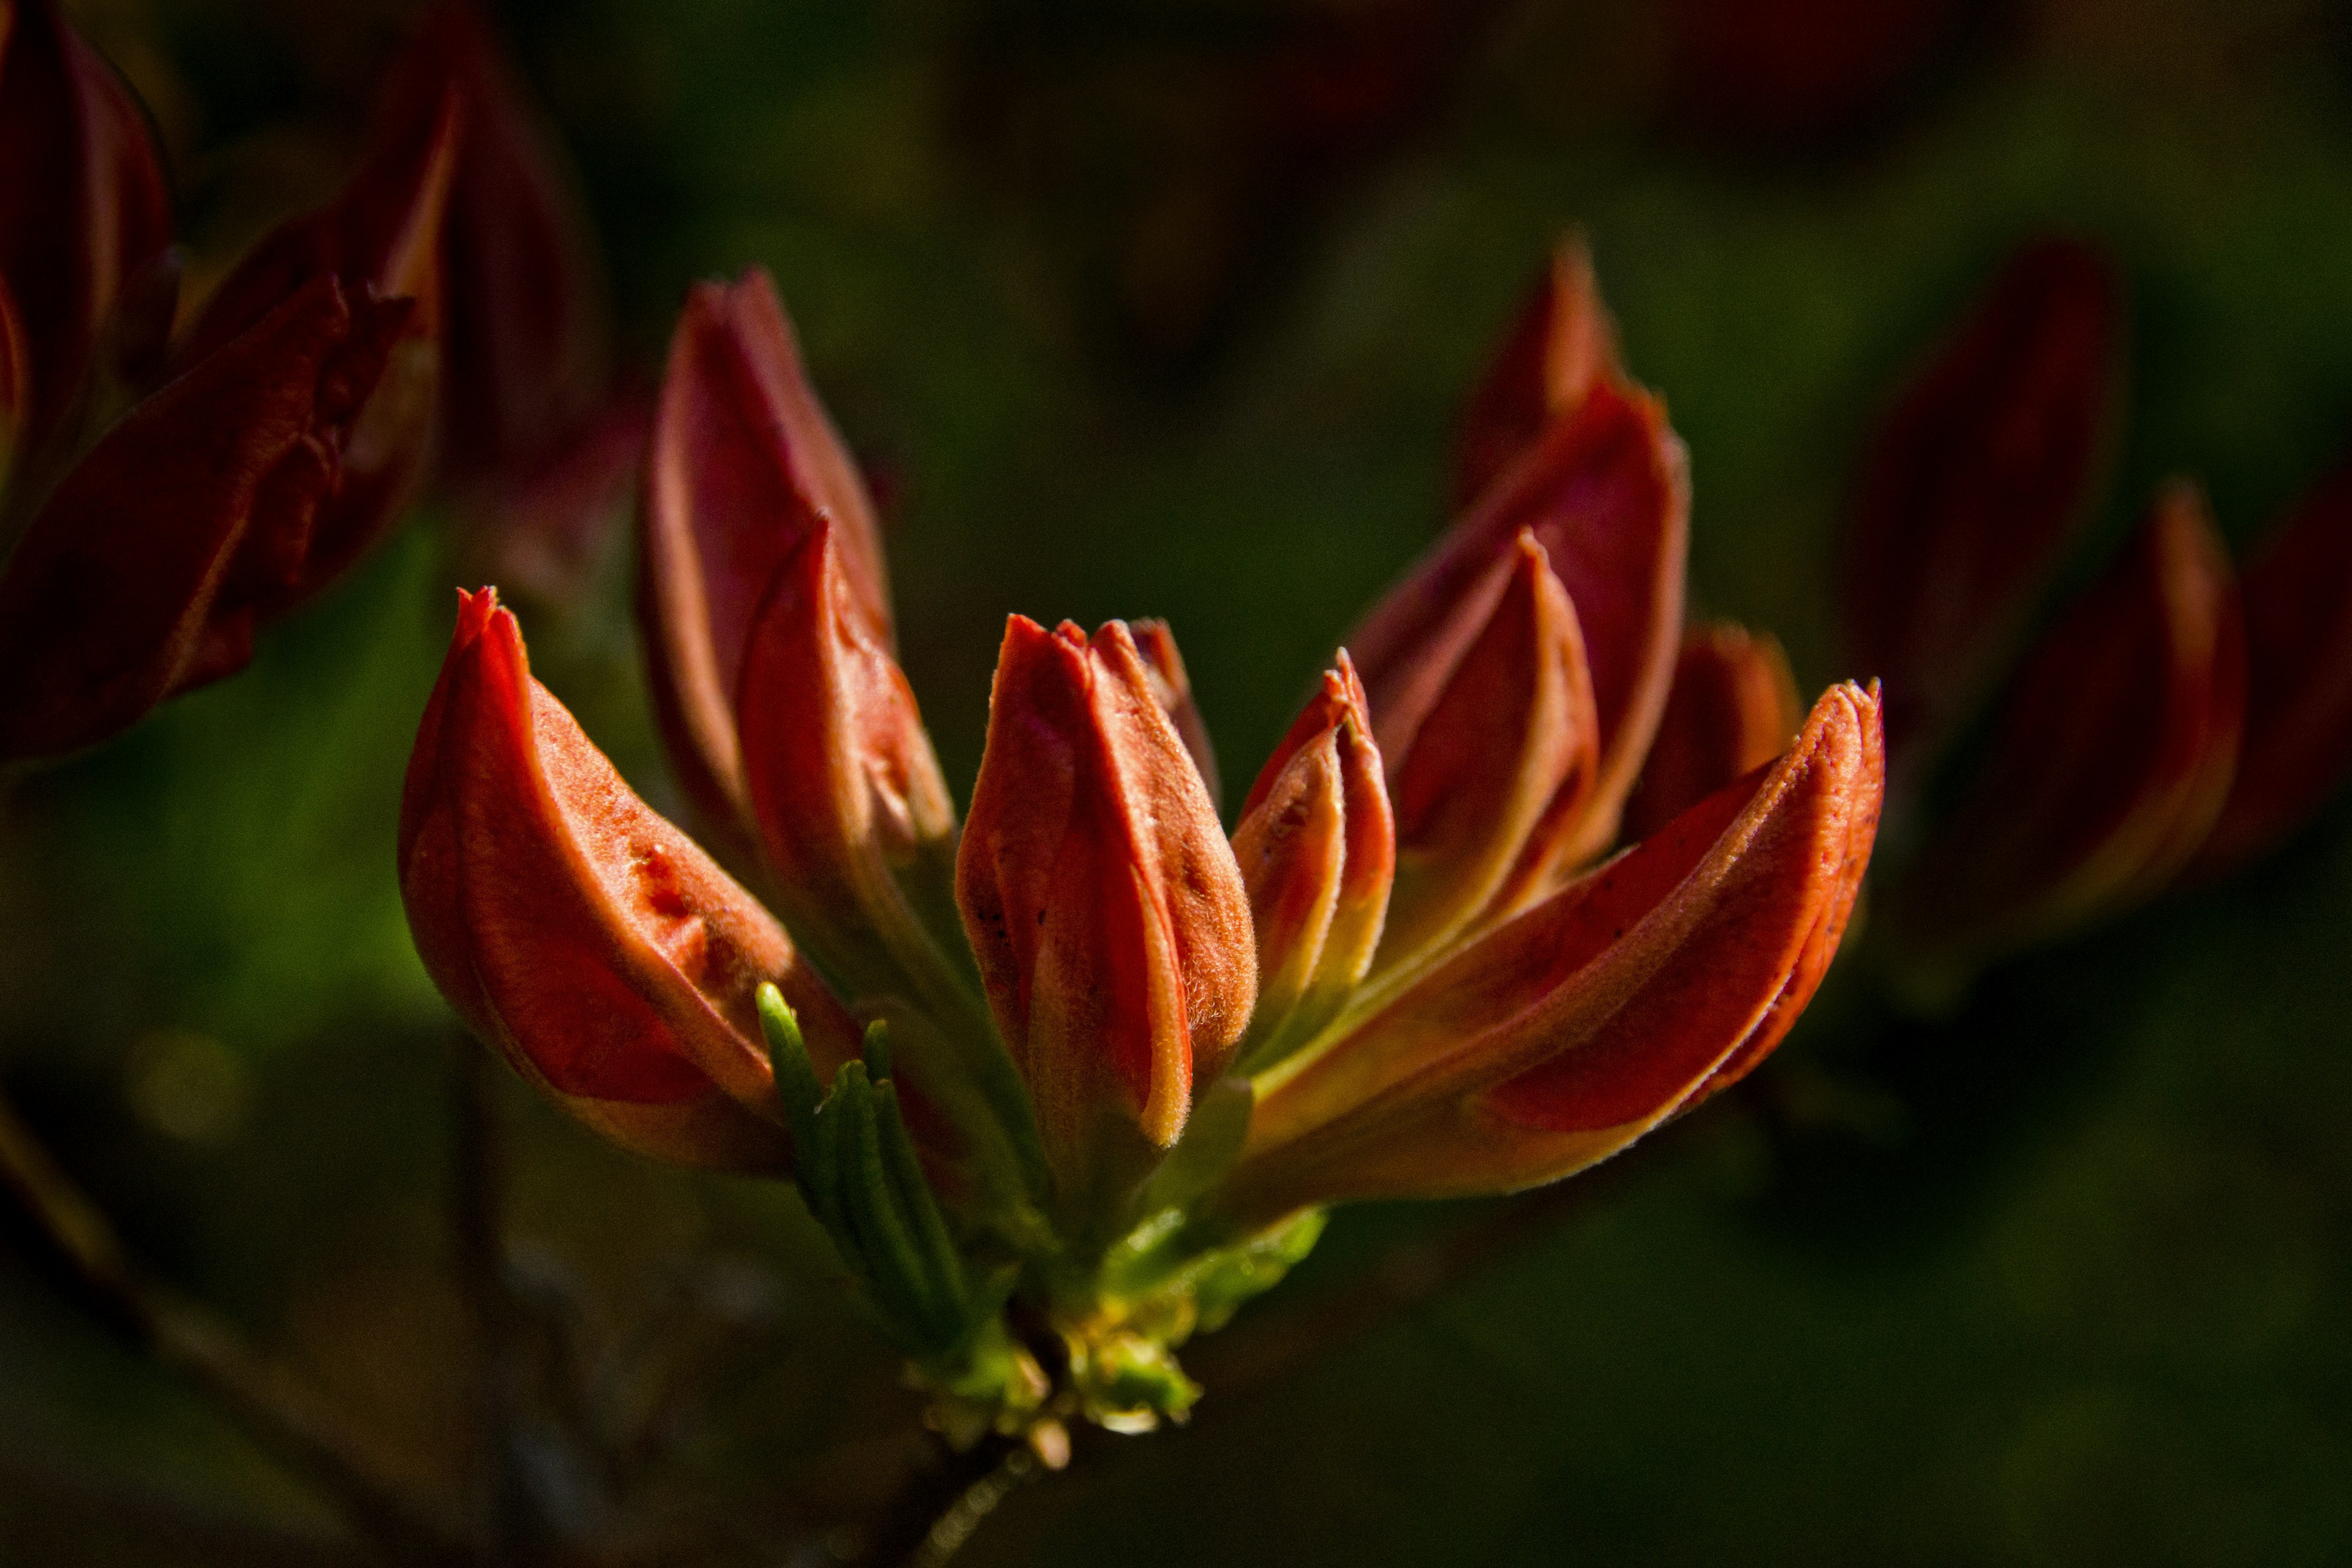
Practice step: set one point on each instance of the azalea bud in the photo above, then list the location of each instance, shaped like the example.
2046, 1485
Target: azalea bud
612, 961
1973, 487
1562, 342
743, 462
1606, 493
1558, 1039
380, 238
1509, 748
1732, 707
1317, 848
1106, 907
852, 814
140, 575
2113, 756
85, 216
1170, 683
2298, 732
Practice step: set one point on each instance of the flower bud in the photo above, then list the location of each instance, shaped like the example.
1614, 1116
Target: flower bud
1317, 848
1562, 342
1974, 485
2112, 759
140, 575
1732, 709
1106, 907
1157, 647
1558, 1039
2298, 735
616, 966
743, 462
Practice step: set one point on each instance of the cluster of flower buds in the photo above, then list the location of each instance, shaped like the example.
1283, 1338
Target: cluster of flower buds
176, 478
2176, 717
1083, 1046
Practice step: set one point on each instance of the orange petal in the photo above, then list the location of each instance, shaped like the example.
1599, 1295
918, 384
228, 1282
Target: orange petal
1102, 900
852, 812
1732, 707
2114, 756
138, 575
603, 953
2298, 735
1509, 750
1557, 1039
742, 463
1561, 343
1317, 850
1173, 688
1606, 493
1974, 485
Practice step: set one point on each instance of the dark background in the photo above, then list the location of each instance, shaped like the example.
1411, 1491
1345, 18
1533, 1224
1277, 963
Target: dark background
1168, 309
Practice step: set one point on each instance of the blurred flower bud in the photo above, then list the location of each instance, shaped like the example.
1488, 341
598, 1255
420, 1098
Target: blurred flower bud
1732, 709
1104, 905
1562, 342
615, 965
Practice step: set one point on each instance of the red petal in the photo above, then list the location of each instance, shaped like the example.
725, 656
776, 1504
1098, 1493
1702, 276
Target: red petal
1562, 342
1606, 493
2298, 734
1732, 709
743, 462
1559, 1038
1974, 485
2113, 754
1173, 687
1104, 904
605, 955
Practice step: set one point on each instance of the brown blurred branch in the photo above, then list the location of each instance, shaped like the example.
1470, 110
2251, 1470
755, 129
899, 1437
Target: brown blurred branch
290, 1422
943, 1500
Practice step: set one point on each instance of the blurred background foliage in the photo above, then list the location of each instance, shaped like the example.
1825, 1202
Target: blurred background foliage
1167, 307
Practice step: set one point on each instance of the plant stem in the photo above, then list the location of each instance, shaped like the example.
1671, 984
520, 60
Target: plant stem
289, 1421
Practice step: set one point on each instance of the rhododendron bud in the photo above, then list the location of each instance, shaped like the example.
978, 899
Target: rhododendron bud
1317, 850
2298, 747
1606, 494
1562, 342
141, 574
1556, 1039
1173, 687
1106, 908
1973, 487
1732, 707
2113, 756
742, 463
611, 961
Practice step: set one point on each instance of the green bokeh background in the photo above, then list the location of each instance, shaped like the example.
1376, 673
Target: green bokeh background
2062, 1279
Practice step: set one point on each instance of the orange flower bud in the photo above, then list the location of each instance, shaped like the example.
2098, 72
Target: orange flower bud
1606, 494
1559, 1037
1170, 683
852, 812
141, 573
592, 942
1562, 342
1732, 707
743, 462
1973, 487
2298, 736
1106, 907
2114, 756
1317, 848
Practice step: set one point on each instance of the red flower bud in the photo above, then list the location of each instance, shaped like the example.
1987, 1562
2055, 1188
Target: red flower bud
2113, 756
1106, 907
1974, 485
1156, 644
142, 573
743, 462
1607, 495
1555, 1040
2298, 736
592, 942
1562, 342
84, 215
1317, 848
1732, 709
